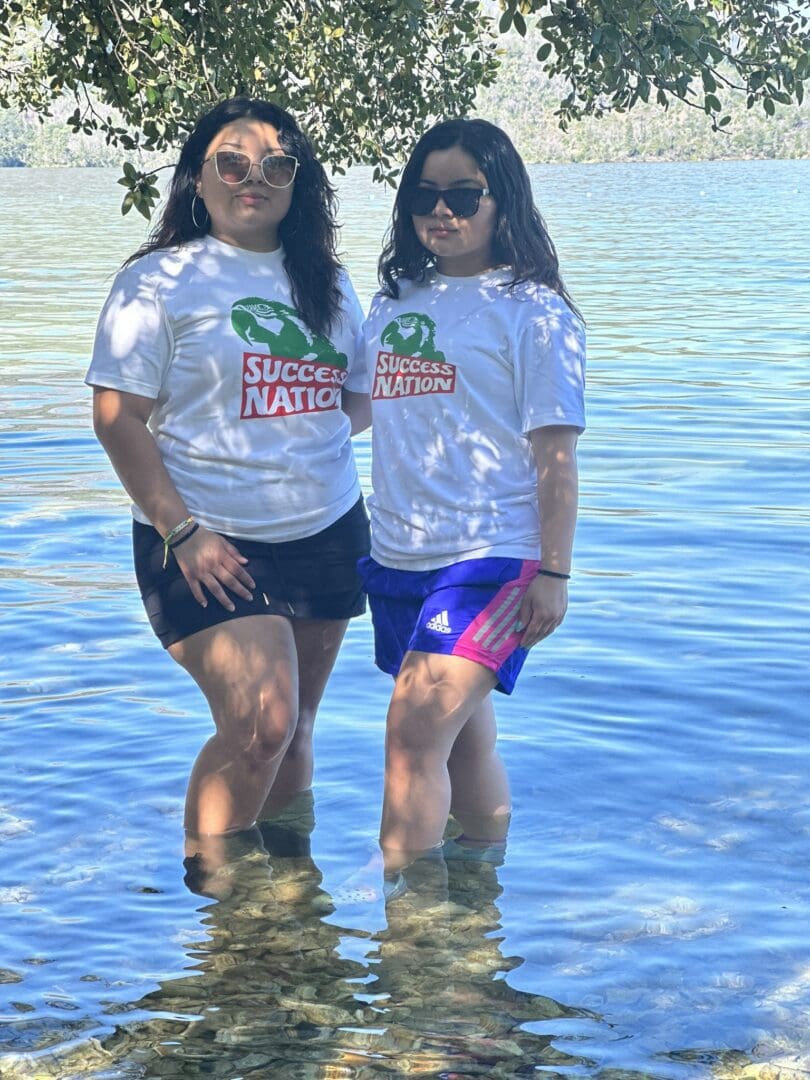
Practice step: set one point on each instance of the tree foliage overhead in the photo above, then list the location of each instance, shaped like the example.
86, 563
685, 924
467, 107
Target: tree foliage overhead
365, 78
361, 77
614, 53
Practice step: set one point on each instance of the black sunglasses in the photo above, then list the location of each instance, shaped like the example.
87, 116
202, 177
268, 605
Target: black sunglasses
461, 202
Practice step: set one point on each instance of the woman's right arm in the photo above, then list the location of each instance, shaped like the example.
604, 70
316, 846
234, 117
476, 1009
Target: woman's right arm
206, 560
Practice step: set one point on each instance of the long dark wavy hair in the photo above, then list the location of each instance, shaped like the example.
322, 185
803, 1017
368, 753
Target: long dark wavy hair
308, 231
520, 241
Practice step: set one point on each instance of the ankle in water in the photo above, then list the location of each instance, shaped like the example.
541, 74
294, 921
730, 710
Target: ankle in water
463, 847
286, 832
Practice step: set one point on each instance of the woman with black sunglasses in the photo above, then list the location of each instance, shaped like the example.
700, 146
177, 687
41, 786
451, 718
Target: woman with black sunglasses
226, 388
478, 355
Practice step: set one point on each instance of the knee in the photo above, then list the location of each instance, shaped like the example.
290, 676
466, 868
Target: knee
268, 732
305, 724
300, 745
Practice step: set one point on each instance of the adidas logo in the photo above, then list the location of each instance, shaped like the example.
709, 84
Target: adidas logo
439, 623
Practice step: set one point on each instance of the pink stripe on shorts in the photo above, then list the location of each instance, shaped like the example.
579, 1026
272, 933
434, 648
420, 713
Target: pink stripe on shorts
494, 635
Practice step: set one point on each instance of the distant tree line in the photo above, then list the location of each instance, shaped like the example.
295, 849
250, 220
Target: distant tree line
25, 139
366, 77
525, 102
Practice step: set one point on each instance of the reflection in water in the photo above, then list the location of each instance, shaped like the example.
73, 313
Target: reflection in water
279, 991
439, 973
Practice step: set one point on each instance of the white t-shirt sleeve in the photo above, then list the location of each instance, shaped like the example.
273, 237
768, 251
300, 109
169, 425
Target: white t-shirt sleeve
133, 344
357, 380
550, 369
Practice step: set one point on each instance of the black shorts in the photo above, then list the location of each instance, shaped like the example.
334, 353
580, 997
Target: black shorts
312, 578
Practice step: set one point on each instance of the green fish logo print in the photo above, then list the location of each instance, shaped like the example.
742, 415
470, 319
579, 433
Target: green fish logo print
290, 368
410, 364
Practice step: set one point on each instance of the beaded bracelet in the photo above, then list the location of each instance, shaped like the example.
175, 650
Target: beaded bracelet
554, 574
176, 543
171, 535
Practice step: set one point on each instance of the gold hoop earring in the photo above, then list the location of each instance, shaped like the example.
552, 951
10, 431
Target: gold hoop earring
194, 212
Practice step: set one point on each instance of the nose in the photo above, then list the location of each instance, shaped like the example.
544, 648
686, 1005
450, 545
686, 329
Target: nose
254, 165
441, 209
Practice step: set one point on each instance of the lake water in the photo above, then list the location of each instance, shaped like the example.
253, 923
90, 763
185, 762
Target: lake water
651, 917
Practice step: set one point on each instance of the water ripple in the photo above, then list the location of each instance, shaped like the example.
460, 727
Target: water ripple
650, 918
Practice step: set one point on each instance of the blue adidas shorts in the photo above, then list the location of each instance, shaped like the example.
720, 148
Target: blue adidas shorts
467, 609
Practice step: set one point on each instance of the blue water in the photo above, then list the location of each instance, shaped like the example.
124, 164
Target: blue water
651, 917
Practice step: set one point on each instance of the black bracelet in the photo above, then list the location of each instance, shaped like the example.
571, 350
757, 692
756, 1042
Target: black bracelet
184, 537
553, 573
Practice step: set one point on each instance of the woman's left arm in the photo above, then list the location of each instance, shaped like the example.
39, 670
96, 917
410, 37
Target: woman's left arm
358, 409
546, 599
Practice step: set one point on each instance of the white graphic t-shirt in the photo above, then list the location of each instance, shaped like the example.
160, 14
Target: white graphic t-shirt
462, 370
247, 410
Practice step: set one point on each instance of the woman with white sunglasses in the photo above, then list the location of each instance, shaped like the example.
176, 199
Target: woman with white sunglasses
226, 389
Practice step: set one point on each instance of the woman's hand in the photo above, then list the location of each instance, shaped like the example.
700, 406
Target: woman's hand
543, 609
208, 560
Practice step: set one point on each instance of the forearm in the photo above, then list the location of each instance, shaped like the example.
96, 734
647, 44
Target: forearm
137, 462
358, 409
557, 494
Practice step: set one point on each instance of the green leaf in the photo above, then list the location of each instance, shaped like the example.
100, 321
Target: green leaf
709, 83
364, 78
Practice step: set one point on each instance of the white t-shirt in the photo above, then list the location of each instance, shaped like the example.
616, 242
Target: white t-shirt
247, 410
463, 369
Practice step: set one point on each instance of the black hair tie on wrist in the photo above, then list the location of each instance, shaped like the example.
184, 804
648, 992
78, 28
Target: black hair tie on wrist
184, 537
554, 574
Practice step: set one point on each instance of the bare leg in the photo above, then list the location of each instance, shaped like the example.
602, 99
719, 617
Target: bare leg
480, 801
433, 698
248, 671
317, 642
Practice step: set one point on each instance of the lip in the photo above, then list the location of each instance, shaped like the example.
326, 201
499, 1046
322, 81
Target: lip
441, 229
251, 196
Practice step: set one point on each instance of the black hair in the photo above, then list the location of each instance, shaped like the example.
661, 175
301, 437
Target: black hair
521, 240
308, 231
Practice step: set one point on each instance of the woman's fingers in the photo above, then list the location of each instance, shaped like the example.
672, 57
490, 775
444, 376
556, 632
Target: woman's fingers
240, 560
537, 630
196, 591
212, 584
236, 582
542, 610
209, 560
242, 579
